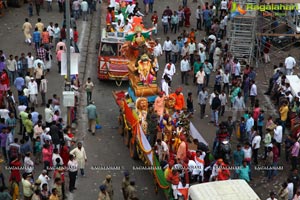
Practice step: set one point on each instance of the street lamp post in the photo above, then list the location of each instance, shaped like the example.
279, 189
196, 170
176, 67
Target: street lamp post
68, 54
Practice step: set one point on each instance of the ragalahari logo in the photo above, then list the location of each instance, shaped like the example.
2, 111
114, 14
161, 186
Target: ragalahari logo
237, 9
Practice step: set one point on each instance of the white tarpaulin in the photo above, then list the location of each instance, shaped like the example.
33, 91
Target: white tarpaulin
74, 63
195, 134
146, 144
294, 82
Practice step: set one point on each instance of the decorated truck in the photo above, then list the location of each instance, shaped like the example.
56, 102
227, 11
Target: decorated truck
136, 117
112, 65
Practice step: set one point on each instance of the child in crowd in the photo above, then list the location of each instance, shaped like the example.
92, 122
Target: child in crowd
38, 150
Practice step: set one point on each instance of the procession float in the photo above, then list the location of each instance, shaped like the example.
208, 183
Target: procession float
136, 116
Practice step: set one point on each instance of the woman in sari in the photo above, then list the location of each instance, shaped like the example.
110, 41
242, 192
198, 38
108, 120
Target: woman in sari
187, 15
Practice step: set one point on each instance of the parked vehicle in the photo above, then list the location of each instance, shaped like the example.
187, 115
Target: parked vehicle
111, 64
230, 189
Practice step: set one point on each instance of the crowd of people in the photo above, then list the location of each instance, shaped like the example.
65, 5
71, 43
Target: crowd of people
234, 90
30, 138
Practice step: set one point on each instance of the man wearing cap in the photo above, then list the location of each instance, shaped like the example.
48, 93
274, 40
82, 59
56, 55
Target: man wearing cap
108, 184
125, 184
91, 111
37, 185
103, 195
132, 193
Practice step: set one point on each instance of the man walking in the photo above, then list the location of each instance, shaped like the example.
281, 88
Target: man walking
89, 86
290, 63
184, 68
91, 111
73, 168
125, 184
215, 107
27, 31
202, 98
255, 146
84, 8
253, 93
80, 157
108, 184
167, 48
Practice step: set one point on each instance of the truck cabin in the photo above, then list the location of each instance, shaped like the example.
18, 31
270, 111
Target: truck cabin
109, 49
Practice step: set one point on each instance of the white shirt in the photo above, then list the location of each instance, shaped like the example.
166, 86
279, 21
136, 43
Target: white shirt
28, 165
157, 51
165, 87
170, 72
127, 27
247, 152
199, 167
290, 188
200, 77
44, 180
278, 134
200, 45
225, 78
237, 71
30, 61
192, 167
48, 115
290, 62
225, 20
256, 142
224, 5
37, 61
202, 56
167, 45
192, 48
253, 90
239, 103
223, 99
163, 147
73, 165
130, 8
67, 140
33, 88
4, 113
199, 13
50, 30
184, 65
211, 97
54, 157
121, 17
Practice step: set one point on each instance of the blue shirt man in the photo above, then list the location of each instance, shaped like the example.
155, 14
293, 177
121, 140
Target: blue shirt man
19, 83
